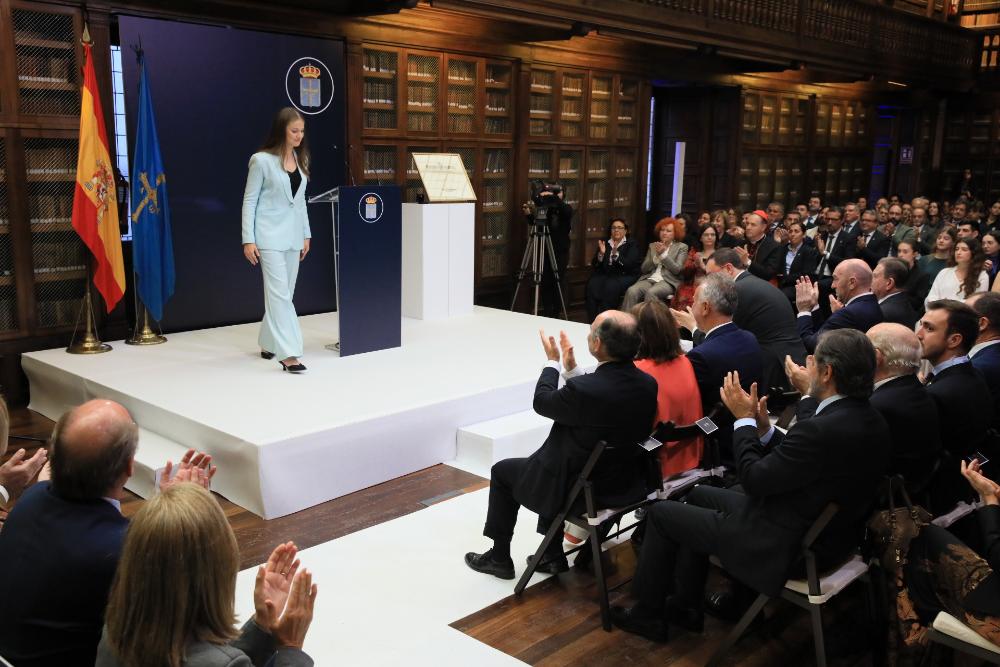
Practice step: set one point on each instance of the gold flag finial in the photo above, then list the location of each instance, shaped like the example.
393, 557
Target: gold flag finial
86, 35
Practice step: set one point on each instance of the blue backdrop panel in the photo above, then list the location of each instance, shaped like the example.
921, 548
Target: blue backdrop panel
371, 268
216, 91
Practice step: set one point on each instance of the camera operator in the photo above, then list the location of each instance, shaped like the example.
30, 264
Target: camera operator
559, 216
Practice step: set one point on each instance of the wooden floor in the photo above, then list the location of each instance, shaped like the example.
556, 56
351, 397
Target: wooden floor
556, 622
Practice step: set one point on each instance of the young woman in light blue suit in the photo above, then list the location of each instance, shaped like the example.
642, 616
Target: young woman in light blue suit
276, 232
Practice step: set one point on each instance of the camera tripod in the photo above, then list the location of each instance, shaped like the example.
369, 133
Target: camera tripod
539, 246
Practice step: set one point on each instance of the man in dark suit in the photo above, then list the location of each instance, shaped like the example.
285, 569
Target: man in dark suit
948, 330
762, 255
852, 217
764, 311
854, 307
724, 348
834, 244
891, 275
985, 354
61, 543
836, 452
616, 403
872, 245
904, 403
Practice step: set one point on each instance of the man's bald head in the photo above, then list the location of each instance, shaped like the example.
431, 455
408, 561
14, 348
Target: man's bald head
614, 336
898, 350
851, 278
92, 449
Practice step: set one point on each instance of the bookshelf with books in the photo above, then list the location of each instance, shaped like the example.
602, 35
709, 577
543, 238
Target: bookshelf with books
499, 109
423, 88
573, 105
542, 103
381, 90
463, 86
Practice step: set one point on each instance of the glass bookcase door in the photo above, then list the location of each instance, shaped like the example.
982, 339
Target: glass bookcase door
462, 96
542, 103
836, 125
499, 102
822, 123
627, 109
379, 165
600, 106
498, 208
598, 195
768, 118
748, 167
46, 47
423, 83
8, 292
751, 118
624, 186
765, 180
540, 163
380, 103
572, 116
571, 178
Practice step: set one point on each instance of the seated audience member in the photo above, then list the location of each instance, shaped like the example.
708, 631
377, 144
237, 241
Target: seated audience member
734, 234
964, 275
774, 215
718, 221
18, 471
694, 267
985, 354
836, 452
888, 282
661, 270
763, 311
872, 245
903, 229
724, 348
677, 397
924, 231
616, 403
991, 250
854, 307
761, 254
800, 259
968, 229
944, 246
615, 269
948, 330
918, 283
61, 543
904, 403
941, 574
173, 595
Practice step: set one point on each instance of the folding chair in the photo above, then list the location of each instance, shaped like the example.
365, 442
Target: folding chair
592, 519
809, 593
960, 511
953, 633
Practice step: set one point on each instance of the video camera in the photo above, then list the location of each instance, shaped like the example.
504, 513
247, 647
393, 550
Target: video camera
547, 202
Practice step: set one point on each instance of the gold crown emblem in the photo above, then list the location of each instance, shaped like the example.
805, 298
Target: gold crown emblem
371, 200
310, 71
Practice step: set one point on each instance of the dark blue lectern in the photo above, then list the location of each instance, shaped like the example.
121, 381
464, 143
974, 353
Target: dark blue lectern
367, 260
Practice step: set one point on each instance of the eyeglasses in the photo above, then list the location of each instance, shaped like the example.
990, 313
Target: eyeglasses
617, 227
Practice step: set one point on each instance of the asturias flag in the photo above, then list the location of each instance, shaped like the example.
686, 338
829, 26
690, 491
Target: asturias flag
152, 247
95, 207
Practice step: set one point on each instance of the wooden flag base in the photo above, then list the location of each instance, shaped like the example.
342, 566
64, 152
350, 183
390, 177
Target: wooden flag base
90, 343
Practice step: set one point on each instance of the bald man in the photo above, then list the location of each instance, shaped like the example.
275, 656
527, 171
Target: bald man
616, 403
61, 543
853, 306
904, 403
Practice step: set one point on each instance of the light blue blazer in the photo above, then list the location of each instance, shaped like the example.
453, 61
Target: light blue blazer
272, 217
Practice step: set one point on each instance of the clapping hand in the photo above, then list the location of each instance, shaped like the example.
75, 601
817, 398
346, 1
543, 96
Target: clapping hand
780, 235
987, 489
18, 471
798, 375
743, 253
290, 630
820, 244
835, 304
601, 247
657, 247
195, 467
743, 405
569, 359
274, 581
684, 318
549, 345
806, 294
862, 242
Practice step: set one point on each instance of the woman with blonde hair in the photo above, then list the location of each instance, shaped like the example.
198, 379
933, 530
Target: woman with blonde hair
172, 600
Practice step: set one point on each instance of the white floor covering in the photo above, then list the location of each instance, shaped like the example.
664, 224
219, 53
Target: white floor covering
388, 593
286, 443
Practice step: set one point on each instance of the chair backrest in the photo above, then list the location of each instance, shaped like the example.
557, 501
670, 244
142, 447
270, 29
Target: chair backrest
671, 432
817, 527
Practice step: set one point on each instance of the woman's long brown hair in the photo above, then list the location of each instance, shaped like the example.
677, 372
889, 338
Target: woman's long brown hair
275, 143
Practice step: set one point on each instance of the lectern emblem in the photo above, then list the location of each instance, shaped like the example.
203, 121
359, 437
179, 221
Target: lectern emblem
309, 86
370, 208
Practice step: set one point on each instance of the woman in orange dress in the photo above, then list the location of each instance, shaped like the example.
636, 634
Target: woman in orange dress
677, 398
693, 271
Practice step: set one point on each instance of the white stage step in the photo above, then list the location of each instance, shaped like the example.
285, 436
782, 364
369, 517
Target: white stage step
483, 444
150, 459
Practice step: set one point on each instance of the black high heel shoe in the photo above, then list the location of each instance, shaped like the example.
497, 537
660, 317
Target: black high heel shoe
266, 355
294, 368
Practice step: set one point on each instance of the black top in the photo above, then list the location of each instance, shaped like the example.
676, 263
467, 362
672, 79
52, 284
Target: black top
295, 178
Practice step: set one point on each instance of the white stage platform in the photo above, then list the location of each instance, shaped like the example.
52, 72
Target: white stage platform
284, 443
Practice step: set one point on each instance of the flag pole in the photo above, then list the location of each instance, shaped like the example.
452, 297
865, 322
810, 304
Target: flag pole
90, 343
143, 333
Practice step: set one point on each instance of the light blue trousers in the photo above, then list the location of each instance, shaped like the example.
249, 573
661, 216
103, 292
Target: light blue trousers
279, 331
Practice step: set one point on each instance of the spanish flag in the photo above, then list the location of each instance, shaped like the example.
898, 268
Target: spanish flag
95, 208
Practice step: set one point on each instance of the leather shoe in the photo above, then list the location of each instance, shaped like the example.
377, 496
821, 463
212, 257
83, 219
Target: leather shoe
726, 605
651, 627
484, 563
692, 620
548, 565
